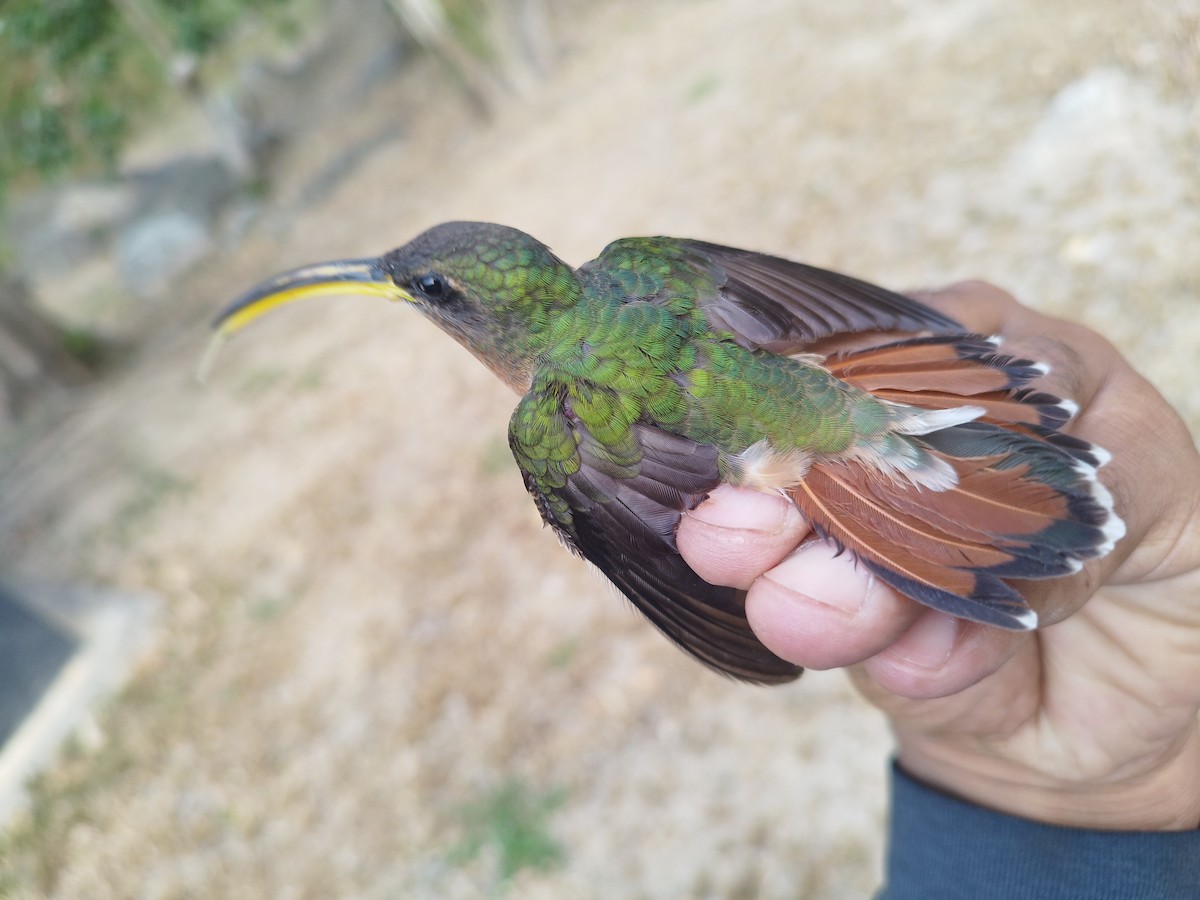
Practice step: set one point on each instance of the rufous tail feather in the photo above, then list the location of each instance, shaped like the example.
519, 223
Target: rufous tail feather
1026, 503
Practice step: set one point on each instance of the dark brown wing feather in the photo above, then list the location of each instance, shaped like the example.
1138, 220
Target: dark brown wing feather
779, 305
626, 527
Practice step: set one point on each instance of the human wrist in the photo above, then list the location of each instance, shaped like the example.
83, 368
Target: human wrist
1162, 796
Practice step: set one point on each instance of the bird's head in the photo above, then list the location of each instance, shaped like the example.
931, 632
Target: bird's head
493, 288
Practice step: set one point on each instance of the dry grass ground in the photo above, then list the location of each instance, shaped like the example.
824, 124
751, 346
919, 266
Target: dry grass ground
377, 676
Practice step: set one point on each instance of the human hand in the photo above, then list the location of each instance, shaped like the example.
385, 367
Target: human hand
1090, 721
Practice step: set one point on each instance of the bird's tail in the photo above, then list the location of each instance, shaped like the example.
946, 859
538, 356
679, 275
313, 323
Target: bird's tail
1025, 502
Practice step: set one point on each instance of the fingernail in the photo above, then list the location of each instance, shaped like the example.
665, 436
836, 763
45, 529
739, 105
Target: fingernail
744, 510
929, 643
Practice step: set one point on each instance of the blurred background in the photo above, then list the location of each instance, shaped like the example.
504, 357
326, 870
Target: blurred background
367, 670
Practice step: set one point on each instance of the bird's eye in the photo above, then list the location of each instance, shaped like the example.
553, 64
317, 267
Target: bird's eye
432, 286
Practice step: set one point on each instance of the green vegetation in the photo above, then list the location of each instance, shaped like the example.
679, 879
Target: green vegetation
58, 804
80, 75
512, 818
75, 72
565, 653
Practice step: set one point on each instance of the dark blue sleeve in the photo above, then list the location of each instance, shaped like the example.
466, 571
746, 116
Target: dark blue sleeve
943, 847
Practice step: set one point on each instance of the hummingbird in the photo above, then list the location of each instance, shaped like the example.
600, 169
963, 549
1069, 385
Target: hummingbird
666, 366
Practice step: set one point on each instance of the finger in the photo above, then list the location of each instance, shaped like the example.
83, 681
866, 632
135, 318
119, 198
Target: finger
737, 534
820, 610
1086, 369
1153, 477
1079, 358
1080, 361
938, 656
980, 307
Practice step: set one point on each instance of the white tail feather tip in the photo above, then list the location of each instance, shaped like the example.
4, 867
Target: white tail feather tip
1027, 620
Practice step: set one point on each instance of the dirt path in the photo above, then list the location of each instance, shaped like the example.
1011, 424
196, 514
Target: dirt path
368, 635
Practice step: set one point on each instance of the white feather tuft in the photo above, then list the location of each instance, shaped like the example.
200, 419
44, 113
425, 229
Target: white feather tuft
763, 467
912, 420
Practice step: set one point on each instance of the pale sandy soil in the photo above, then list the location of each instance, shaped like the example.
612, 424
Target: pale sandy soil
365, 628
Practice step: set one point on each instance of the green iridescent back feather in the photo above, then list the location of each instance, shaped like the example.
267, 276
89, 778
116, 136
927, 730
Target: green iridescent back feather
637, 346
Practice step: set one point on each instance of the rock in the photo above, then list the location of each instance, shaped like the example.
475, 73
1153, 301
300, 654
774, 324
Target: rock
157, 220
34, 355
159, 247
174, 225
198, 185
56, 228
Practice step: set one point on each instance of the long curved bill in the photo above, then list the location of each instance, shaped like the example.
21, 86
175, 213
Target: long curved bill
347, 276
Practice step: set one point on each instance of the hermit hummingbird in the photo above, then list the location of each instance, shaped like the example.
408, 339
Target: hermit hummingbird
665, 367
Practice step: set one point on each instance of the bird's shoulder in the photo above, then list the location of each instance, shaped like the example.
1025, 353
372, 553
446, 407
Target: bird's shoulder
761, 301
656, 269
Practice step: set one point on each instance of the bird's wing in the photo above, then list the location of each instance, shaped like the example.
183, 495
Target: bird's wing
618, 508
764, 301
